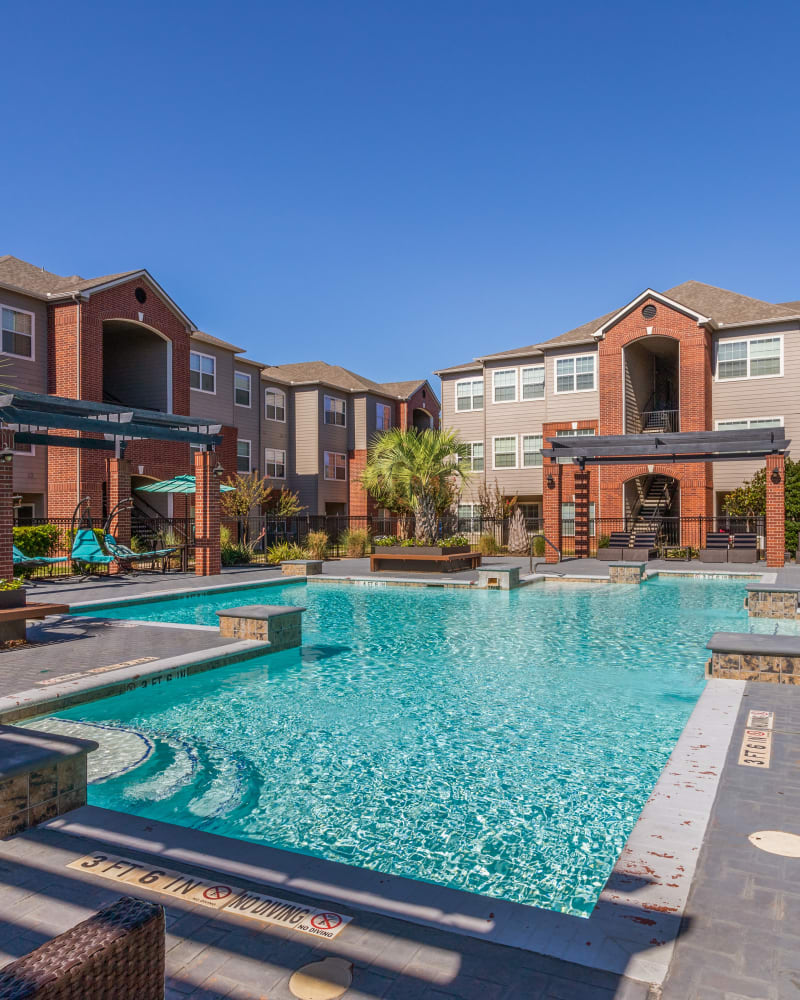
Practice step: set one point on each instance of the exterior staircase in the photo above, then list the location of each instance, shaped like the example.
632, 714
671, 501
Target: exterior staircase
654, 502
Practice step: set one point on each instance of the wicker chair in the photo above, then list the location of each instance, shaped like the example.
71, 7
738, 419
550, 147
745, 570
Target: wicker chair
117, 954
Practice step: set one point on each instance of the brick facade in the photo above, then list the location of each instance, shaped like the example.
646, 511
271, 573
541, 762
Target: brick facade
6, 507
776, 510
206, 515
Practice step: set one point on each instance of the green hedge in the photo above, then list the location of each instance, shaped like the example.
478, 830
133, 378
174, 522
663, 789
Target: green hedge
37, 540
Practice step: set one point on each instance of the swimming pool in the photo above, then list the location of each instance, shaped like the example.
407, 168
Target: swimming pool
498, 742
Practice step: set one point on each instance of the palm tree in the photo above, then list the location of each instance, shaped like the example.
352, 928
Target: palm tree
417, 467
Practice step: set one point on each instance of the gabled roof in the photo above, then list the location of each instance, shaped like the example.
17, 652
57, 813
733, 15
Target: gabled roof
468, 366
727, 308
337, 377
206, 338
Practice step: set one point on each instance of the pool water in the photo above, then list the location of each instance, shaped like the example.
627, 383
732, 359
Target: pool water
500, 743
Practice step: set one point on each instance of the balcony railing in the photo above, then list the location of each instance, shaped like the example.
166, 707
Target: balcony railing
659, 422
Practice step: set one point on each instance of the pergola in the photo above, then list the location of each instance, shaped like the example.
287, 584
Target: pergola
769, 443
38, 419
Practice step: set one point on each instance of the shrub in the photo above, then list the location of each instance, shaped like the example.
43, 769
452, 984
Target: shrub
603, 541
454, 540
408, 543
37, 540
13, 584
281, 551
487, 545
234, 555
225, 536
538, 546
384, 540
355, 543
317, 544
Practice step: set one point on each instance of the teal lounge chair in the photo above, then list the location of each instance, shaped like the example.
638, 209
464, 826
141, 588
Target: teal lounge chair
32, 562
126, 556
86, 549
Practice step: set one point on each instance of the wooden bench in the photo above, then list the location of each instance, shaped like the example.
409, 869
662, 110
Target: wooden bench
12, 620
444, 564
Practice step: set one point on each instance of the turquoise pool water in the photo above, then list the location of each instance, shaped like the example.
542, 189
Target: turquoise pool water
501, 743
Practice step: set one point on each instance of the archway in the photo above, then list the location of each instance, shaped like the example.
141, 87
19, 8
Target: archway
652, 502
651, 373
421, 419
137, 366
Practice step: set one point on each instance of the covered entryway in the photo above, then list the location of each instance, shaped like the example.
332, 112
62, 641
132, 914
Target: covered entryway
137, 366
651, 368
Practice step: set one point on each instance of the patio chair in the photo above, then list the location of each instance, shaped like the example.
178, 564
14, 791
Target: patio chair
34, 562
644, 547
127, 557
86, 549
745, 548
716, 550
618, 541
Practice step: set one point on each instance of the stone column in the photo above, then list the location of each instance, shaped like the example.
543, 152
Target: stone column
6, 507
551, 497
582, 514
206, 515
776, 511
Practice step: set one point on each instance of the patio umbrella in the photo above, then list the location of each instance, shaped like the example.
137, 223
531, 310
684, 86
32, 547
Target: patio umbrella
179, 484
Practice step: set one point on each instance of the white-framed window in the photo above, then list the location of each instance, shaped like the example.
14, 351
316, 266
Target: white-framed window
532, 382
468, 512
530, 511
759, 357
504, 385
383, 417
243, 456
17, 332
531, 450
575, 374
469, 394
748, 423
335, 465
241, 389
573, 432
568, 519
335, 411
202, 372
474, 462
505, 452
275, 404
274, 463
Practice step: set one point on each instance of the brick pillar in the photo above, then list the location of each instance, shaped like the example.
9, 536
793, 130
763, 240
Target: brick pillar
206, 515
776, 512
6, 508
119, 488
582, 514
552, 510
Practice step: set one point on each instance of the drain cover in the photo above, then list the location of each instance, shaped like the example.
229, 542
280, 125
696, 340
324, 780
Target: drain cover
776, 842
325, 980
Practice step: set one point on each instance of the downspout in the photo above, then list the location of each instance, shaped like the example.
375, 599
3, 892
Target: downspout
76, 297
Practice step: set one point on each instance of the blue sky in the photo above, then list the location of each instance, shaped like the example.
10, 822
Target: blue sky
399, 186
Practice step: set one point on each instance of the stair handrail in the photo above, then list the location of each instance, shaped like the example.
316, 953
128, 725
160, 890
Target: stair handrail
540, 534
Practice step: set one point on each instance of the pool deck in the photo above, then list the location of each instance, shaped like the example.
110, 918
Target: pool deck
736, 939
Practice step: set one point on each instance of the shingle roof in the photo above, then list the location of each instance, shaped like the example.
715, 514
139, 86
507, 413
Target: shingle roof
41, 283
310, 372
206, 338
725, 307
402, 389
468, 366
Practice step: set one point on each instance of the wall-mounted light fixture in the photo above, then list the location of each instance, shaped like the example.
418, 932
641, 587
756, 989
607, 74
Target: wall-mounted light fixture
776, 476
218, 470
550, 481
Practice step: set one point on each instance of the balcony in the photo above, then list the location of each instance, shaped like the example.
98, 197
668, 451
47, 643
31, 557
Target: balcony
659, 422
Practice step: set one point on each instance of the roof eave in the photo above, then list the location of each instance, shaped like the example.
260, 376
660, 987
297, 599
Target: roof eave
650, 293
755, 322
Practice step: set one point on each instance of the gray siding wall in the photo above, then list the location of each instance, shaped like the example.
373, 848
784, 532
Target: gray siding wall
30, 471
337, 439
277, 434
759, 397
247, 419
219, 405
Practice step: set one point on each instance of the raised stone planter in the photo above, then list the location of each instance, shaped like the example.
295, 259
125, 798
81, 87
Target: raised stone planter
301, 567
626, 572
771, 601
42, 775
743, 656
422, 550
278, 624
505, 578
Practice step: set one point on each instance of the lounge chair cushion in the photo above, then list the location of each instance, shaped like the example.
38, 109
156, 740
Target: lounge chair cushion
86, 548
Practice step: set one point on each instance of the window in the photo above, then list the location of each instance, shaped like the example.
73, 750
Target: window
474, 462
568, 519
505, 385
575, 374
505, 452
574, 432
274, 463
335, 466
335, 411
17, 332
531, 450
469, 515
202, 372
469, 394
241, 389
757, 358
383, 417
532, 380
530, 511
748, 423
243, 457
275, 405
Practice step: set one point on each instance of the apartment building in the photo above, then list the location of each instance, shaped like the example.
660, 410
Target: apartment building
693, 358
121, 339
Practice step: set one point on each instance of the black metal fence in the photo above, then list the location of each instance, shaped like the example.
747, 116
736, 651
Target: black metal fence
676, 537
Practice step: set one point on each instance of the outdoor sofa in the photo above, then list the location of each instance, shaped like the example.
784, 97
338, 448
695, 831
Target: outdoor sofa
618, 541
744, 549
717, 548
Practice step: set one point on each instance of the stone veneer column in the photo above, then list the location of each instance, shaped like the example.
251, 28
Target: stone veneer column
552, 510
776, 512
206, 515
6, 508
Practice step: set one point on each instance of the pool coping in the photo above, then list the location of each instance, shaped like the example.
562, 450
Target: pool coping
631, 930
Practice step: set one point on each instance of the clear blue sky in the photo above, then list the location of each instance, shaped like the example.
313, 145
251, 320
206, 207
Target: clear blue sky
399, 185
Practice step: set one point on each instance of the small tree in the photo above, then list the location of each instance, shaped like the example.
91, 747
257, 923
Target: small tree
750, 500
285, 504
493, 502
249, 491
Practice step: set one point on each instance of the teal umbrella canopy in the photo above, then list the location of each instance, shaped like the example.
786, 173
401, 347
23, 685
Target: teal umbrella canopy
179, 484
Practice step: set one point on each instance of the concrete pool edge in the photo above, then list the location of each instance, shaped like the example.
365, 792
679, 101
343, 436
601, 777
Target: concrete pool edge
630, 932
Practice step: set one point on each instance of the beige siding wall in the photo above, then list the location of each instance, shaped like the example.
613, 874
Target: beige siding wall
217, 405
759, 397
513, 420
361, 433
468, 424
306, 470
570, 405
30, 471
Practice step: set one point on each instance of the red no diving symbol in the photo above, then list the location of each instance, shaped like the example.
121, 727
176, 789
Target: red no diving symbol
217, 892
326, 921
